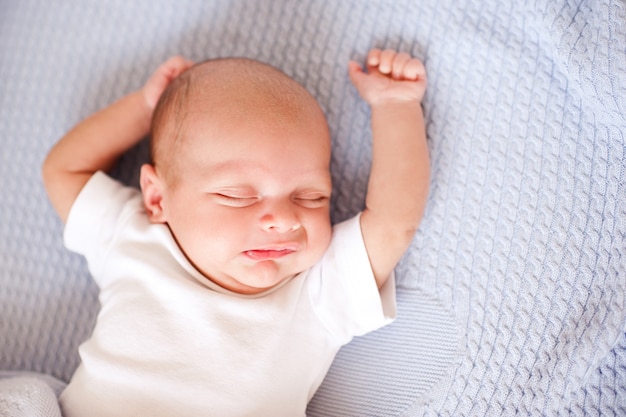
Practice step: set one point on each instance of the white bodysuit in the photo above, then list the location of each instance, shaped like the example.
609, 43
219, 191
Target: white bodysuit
169, 342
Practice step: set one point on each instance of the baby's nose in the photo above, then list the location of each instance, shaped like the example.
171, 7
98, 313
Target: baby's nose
280, 218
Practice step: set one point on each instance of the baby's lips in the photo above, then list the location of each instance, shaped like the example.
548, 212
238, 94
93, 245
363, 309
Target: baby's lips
268, 254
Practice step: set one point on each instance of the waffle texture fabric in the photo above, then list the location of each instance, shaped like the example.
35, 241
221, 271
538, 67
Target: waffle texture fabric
511, 298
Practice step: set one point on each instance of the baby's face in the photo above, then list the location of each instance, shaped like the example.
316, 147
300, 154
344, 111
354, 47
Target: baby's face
251, 206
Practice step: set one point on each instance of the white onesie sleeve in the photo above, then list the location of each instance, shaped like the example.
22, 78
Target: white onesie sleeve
92, 222
343, 289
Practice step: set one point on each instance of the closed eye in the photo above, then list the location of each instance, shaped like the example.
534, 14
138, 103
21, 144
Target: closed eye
234, 200
312, 201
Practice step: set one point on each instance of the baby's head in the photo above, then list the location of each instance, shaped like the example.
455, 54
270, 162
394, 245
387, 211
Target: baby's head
240, 173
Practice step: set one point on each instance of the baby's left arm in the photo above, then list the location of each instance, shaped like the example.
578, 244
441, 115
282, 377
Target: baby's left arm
393, 86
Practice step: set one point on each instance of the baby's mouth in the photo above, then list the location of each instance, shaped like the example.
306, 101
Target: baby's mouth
268, 254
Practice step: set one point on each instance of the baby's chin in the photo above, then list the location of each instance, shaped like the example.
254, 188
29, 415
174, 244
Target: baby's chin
262, 278
267, 274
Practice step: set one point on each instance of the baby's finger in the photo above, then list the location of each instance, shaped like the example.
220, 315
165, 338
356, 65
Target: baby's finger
398, 65
181, 64
414, 69
386, 61
355, 72
373, 57
174, 66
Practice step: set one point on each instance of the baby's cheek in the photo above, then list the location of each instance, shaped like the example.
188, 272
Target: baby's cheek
323, 236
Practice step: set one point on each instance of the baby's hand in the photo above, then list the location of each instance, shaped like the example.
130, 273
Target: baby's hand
391, 77
162, 77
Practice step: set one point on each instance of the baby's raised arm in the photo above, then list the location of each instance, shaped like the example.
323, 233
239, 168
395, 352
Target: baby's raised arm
98, 141
393, 86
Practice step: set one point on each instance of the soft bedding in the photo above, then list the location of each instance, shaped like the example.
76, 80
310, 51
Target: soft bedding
512, 296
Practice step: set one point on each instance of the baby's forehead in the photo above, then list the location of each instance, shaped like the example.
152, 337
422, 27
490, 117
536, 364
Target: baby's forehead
229, 91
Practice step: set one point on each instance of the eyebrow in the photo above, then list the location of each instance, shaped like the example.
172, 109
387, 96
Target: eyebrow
241, 174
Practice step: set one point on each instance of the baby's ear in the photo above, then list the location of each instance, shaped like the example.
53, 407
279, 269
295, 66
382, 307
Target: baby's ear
152, 190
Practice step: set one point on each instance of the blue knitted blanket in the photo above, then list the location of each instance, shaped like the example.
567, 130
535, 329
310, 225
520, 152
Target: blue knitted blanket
512, 296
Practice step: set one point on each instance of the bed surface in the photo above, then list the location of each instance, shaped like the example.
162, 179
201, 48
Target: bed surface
512, 295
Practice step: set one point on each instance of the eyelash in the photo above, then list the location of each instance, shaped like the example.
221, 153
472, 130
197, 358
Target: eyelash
313, 202
235, 201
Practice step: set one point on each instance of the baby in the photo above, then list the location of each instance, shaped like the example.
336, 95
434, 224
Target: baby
224, 290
